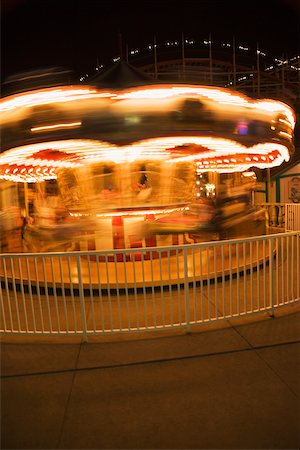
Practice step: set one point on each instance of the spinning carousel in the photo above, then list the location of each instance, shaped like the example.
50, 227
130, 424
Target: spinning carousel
139, 164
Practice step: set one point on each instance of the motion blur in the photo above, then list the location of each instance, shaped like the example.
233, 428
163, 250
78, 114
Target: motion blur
84, 168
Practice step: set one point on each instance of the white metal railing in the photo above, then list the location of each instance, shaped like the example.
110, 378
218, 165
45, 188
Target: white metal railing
292, 217
86, 293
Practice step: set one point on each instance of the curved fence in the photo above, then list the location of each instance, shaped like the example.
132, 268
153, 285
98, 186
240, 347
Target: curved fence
89, 293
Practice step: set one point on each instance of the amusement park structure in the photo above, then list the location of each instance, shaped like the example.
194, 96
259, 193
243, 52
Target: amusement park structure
141, 158
126, 198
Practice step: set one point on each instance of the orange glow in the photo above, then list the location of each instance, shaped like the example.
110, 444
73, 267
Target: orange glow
41, 161
222, 96
209, 153
50, 95
287, 135
219, 95
134, 212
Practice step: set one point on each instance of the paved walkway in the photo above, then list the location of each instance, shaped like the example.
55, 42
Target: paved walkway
233, 385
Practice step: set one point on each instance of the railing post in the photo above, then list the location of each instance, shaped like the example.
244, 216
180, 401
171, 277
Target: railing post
186, 289
81, 299
280, 216
272, 276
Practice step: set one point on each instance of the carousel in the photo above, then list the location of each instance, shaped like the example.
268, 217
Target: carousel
125, 162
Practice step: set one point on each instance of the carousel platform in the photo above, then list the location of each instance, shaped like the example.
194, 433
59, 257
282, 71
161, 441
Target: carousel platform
139, 269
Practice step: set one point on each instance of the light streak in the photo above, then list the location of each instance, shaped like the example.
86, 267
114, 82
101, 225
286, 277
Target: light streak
50, 95
58, 125
207, 152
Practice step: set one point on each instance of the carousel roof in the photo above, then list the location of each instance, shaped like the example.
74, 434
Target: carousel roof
130, 116
120, 75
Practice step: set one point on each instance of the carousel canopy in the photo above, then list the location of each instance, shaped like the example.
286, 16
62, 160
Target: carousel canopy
122, 115
120, 75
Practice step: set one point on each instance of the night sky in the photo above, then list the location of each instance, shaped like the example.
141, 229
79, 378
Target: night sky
73, 33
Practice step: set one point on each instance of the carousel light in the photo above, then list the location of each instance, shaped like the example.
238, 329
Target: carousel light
248, 174
202, 150
50, 95
283, 133
58, 125
283, 121
219, 95
277, 107
169, 149
210, 187
133, 212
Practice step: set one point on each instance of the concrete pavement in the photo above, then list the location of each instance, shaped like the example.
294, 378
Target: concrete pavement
235, 386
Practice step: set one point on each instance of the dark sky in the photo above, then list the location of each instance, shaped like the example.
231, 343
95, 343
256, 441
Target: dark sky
72, 33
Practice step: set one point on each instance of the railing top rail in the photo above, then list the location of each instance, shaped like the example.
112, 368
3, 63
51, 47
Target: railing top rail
276, 204
152, 249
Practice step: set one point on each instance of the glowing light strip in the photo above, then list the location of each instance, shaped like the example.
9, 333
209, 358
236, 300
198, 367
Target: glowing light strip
169, 149
52, 95
80, 147
137, 212
219, 95
59, 125
283, 133
284, 121
277, 107
90, 151
229, 164
174, 91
